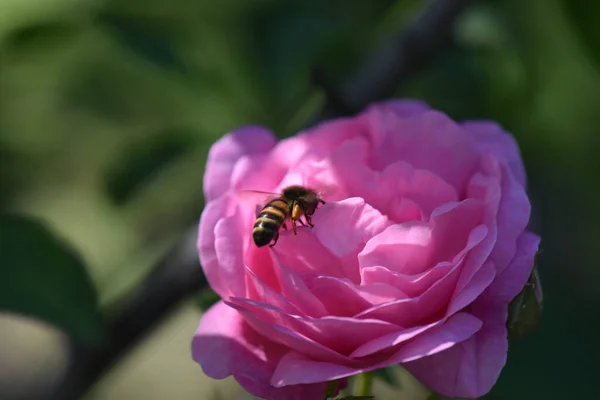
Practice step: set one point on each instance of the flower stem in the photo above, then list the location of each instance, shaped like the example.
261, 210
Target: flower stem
365, 384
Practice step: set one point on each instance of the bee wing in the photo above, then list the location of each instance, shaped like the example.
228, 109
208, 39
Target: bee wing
256, 195
259, 197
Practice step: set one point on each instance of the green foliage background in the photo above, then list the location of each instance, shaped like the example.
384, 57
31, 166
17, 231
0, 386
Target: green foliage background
108, 108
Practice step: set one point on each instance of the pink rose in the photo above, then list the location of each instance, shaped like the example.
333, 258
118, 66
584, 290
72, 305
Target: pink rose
413, 260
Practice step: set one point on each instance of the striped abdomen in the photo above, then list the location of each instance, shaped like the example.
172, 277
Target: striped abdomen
269, 220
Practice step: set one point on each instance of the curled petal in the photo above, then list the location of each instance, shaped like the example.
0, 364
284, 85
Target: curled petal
213, 212
294, 289
344, 227
513, 216
338, 333
330, 290
468, 369
294, 368
289, 338
225, 153
454, 156
489, 136
512, 280
225, 345
229, 251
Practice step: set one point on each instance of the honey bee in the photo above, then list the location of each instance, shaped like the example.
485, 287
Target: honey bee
292, 203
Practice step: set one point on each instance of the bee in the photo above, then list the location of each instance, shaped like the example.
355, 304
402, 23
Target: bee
293, 202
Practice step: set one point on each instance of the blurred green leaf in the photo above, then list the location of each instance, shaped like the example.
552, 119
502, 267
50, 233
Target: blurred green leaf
584, 20
42, 278
141, 161
46, 34
331, 388
206, 298
292, 37
387, 375
143, 38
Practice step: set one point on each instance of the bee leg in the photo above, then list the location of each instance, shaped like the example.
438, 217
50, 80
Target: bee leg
309, 220
284, 226
301, 222
275, 238
321, 201
294, 226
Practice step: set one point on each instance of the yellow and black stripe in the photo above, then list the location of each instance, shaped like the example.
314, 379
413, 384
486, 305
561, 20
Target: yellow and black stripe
269, 220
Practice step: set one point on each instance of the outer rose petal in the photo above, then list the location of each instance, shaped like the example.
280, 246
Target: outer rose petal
507, 285
226, 152
212, 213
454, 156
294, 368
471, 368
513, 216
405, 107
490, 136
225, 345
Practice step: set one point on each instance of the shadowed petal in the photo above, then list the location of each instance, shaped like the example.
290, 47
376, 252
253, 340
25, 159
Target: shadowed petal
454, 156
218, 221
289, 338
294, 368
512, 280
225, 345
471, 368
337, 333
489, 136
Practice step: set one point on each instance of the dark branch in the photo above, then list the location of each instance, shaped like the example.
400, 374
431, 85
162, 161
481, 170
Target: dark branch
395, 61
179, 275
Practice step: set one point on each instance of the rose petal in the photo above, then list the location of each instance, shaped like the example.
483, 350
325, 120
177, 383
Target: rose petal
411, 285
260, 291
289, 338
343, 227
305, 253
225, 153
229, 252
225, 345
294, 368
405, 107
256, 172
330, 290
489, 136
485, 188
421, 310
404, 210
224, 215
414, 247
481, 281
398, 108
471, 368
454, 156
391, 340
340, 334
513, 217
425, 188
294, 289
511, 281
316, 142
456, 329
403, 248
